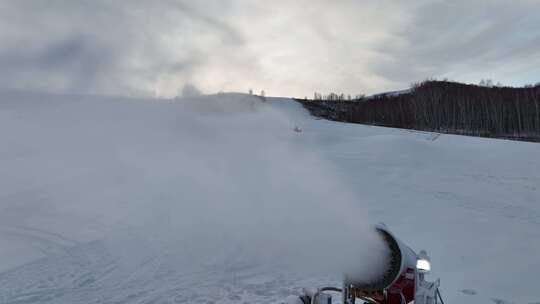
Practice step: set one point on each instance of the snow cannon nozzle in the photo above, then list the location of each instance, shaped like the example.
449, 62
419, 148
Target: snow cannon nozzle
401, 280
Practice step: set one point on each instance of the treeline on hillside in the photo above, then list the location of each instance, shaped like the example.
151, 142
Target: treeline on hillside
445, 107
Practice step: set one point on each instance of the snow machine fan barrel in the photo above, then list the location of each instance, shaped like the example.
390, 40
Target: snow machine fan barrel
396, 282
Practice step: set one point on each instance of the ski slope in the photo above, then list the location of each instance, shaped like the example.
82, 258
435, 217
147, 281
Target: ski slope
216, 199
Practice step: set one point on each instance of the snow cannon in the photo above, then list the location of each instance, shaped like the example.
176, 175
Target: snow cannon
401, 282
397, 283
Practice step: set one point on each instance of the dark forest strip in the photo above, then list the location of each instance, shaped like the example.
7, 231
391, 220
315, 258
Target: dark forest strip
445, 107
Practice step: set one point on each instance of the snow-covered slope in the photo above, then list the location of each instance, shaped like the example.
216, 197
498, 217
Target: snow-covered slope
390, 94
212, 199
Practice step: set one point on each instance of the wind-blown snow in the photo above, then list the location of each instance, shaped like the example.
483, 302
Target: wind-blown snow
217, 182
217, 199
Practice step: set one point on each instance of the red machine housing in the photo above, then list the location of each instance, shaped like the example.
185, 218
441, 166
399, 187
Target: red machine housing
398, 283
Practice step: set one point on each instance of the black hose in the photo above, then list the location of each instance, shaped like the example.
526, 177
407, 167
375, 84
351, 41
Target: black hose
439, 294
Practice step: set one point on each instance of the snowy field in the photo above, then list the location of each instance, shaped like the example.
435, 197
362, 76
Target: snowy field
217, 200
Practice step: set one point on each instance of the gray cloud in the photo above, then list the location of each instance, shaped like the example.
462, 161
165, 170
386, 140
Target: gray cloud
285, 47
465, 40
80, 60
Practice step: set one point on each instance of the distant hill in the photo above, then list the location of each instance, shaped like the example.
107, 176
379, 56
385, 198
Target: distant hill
446, 107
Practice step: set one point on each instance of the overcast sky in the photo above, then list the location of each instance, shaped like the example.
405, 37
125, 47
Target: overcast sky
287, 48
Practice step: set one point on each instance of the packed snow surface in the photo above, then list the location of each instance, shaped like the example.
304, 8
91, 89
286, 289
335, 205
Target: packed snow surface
216, 199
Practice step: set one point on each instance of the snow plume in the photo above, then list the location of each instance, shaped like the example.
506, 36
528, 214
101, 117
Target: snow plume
190, 90
209, 180
237, 186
